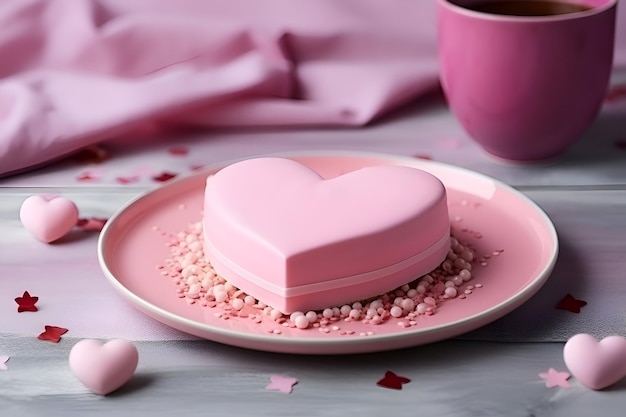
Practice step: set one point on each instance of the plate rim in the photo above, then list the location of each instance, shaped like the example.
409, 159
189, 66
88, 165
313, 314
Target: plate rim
284, 344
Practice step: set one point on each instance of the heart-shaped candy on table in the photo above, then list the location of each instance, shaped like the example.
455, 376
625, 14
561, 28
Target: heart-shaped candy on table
296, 241
596, 364
48, 217
103, 368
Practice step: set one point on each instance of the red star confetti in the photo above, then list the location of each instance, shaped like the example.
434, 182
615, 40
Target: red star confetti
91, 224
554, 378
142, 171
52, 333
164, 176
392, 381
178, 151
127, 180
281, 383
570, 303
26, 302
620, 144
616, 93
451, 143
3, 361
92, 155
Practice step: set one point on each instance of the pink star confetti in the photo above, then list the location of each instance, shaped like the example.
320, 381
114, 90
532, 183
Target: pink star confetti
91, 224
281, 383
451, 143
392, 381
3, 361
570, 303
26, 302
127, 180
52, 333
143, 171
554, 378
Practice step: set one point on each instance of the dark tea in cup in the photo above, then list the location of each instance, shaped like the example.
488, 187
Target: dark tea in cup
527, 7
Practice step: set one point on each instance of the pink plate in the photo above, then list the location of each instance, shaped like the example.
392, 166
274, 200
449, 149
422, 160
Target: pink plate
514, 237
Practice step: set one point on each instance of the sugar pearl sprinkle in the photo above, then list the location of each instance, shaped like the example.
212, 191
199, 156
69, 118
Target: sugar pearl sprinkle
197, 283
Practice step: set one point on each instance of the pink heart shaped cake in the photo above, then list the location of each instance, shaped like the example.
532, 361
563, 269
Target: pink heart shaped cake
282, 233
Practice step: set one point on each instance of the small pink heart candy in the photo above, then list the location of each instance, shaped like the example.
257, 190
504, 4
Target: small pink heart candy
103, 368
48, 218
596, 364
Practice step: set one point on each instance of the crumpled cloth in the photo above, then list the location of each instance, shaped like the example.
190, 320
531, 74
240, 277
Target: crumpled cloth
74, 73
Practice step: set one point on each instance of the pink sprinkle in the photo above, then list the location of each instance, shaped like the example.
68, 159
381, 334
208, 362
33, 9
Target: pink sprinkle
237, 303
195, 278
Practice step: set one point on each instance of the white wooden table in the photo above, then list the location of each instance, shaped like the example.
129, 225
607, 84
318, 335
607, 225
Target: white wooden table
491, 371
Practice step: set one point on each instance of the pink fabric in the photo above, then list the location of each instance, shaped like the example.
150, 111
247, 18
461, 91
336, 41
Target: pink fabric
73, 73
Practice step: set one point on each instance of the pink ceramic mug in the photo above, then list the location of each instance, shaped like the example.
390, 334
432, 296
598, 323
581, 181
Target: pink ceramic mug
525, 87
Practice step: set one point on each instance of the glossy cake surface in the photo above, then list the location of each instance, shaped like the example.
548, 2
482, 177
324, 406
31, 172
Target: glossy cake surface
296, 241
